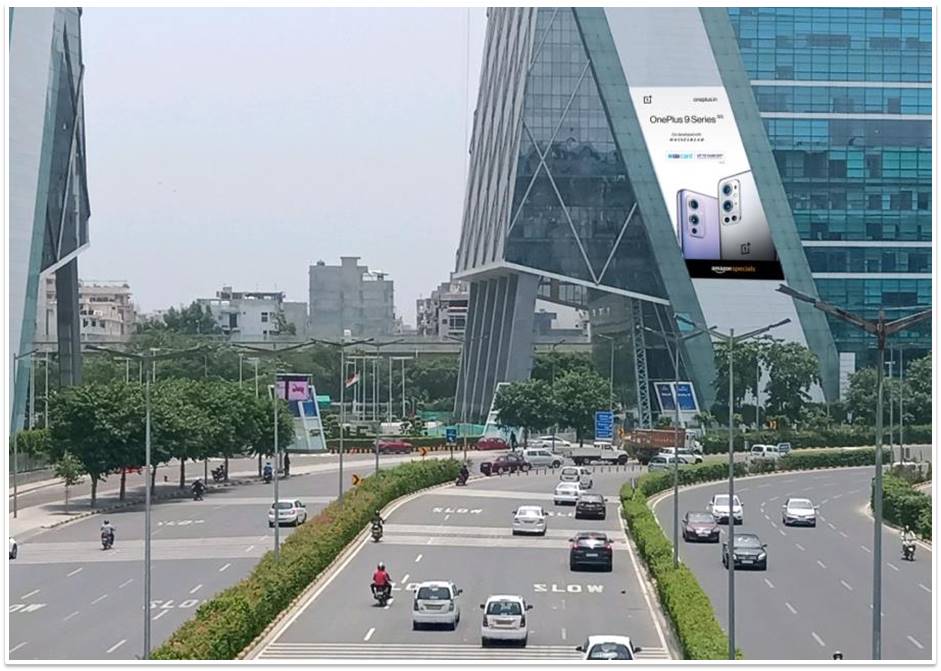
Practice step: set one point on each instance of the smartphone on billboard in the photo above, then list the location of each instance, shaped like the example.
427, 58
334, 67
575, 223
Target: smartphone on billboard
698, 225
745, 235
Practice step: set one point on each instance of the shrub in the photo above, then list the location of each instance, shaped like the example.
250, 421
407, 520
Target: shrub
230, 621
840, 435
811, 459
903, 505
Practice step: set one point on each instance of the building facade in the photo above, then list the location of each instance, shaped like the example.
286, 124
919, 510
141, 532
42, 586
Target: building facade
106, 310
444, 313
49, 205
350, 297
256, 315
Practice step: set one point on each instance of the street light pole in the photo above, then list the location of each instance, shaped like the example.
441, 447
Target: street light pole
377, 416
901, 406
241, 359
555, 425
276, 397
611, 373
45, 397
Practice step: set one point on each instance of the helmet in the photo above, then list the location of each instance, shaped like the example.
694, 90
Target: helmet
382, 566
107, 522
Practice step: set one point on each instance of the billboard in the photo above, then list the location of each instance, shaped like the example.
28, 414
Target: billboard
665, 396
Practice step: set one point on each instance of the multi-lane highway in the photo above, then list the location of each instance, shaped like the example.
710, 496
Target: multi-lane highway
463, 535
815, 597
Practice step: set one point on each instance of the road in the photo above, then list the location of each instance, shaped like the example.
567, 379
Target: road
463, 534
69, 600
815, 597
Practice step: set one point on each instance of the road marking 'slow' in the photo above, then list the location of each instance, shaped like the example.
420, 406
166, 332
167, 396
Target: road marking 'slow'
818, 639
892, 566
161, 614
117, 645
69, 616
101, 598
927, 589
196, 589
769, 583
790, 608
29, 594
369, 634
821, 564
846, 585
418, 558
865, 549
916, 643
69, 575
800, 547
17, 647
126, 583
224, 567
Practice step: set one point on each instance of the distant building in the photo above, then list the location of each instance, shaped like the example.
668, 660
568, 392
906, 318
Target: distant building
255, 314
105, 309
350, 297
444, 313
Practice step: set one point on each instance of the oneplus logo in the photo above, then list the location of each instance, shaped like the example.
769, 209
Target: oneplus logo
746, 248
648, 100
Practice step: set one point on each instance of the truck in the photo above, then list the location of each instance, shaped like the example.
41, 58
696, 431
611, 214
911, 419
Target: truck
644, 444
599, 452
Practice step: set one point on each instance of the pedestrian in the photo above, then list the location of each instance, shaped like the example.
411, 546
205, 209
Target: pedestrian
287, 465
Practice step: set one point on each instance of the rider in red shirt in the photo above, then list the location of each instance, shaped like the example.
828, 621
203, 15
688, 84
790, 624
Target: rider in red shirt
381, 578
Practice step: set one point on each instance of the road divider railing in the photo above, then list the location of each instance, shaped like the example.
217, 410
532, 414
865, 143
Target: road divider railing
231, 620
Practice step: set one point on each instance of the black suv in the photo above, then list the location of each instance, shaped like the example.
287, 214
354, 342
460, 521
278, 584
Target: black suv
591, 548
590, 505
750, 552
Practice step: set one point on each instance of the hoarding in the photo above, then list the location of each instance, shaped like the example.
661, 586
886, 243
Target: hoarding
665, 396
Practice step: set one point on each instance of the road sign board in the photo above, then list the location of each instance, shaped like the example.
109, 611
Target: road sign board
451, 435
604, 425
356, 479
423, 450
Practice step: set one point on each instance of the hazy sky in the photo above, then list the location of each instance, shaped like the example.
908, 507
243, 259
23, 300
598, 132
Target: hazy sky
238, 146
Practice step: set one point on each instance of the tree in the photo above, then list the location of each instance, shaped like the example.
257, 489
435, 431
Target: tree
791, 369
745, 358
527, 404
578, 396
415, 426
917, 402
283, 325
191, 320
861, 396
69, 470
563, 362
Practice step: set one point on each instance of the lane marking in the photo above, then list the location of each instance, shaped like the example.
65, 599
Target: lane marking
910, 638
249, 548
846, 585
824, 501
78, 570
117, 645
843, 534
831, 525
17, 646
125, 583
800, 547
447, 517
388, 603
774, 525
773, 499
790, 608
818, 639
865, 549
69, 616
563, 633
836, 496
161, 614
782, 532
406, 577
927, 589
369, 634
769, 583
29, 594
196, 589
821, 564
766, 516
101, 598
224, 567
892, 566
418, 558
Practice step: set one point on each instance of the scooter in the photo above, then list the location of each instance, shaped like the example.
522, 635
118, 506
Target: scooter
107, 540
461, 481
267, 477
376, 532
197, 494
382, 594
218, 474
908, 551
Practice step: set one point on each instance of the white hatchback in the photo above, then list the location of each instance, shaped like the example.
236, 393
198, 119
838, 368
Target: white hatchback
436, 603
608, 647
504, 619
289, 512
566, 492
529, 520
550, 443
578, 474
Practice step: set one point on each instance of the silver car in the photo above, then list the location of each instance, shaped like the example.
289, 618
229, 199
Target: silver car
529, 520
799, 511
566, 492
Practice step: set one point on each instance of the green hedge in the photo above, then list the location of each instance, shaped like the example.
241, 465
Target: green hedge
230, 621
333, 444
903, 505
803, 460
836, 436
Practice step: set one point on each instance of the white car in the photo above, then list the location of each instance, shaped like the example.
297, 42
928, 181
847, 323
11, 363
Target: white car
547, 442
541, 457
608, 647
578, 474
529, 520
663, 462
436, 603
719, 507
566, 492
765, 452
799, 511
12, 548
289, 512
686, 455
504, 619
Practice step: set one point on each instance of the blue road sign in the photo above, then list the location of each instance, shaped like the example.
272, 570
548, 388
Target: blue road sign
450, 434
604, 425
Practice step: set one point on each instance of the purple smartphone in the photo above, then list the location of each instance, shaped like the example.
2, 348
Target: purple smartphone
698, 225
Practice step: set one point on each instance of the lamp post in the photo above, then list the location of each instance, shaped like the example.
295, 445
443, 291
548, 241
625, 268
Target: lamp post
150, 357
15, 431
552, 347
882, 330
241, 359
732, 340
45, 396
376, 386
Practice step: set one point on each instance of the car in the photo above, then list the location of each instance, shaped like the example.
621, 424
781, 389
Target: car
566, 492
541, 457
509, 463
578, 474
504, 619
591, 548
750, 552
608, 647
529, 520
719, 507
289, 512
492, 443
799, 511
436, 603
394, 447
550, 443
700, 526
13, 548
686, 455
764, 452
784, 448
591, 505
663, 462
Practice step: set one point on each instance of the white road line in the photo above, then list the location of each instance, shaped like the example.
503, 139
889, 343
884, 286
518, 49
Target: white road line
69, 575
117, 645
224, 567
101, 598
563, 633
196, 589
782, 532
914, 642
17, 647
821, 564
262, 538
766, 516
769, 583
836, 496
406, 577
927, 589
790, 608
865, 549
447, 517
29, 594
774, 498
126, 583
69, 616
843, 534
800, 547
822, 518
249, 548
389, 603
846, 585
818, 639
774, 525
418, 558
824, 501
831, 525
369, 634
160, 614
892, 566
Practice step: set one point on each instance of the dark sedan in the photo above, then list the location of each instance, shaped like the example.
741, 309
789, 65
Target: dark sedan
591, 548
395, 447
506, 463
700, 526
750, 552
590, 505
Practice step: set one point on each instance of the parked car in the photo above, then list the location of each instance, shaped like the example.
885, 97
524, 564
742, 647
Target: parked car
289, 512
492, 443
700, 526
436, 603
749, 552
662, 462
13, 548
685, 454
608, 647
549, 442
541, 457
506, 463
566, 492
799, 511
504, 619
591, 505
591, 548
764, 452
719, 507
394, 446
784, 448
529, 520
578, 474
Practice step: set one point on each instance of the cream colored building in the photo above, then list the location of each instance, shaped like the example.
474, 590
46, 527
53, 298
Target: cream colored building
105, 308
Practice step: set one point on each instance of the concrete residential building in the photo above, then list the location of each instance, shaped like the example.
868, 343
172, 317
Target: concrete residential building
350, 297
444, 313
106, 310
253, 315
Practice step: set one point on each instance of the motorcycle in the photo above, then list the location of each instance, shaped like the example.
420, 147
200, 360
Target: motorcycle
197, 494
461, 480
382, 594
218, 474
267, 477
107, 540
376, 532
908, 551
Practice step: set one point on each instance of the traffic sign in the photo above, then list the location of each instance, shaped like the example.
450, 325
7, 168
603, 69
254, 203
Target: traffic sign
356, 479
423, 450
604, 425
451, 435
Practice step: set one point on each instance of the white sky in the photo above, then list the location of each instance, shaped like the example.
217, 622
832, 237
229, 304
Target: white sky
238, 146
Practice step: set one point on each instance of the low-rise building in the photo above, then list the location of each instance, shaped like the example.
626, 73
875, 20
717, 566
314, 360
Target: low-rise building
255, 314
444, 313
105, 309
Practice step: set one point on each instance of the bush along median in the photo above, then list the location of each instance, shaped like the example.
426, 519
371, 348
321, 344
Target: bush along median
903, 505
230, 621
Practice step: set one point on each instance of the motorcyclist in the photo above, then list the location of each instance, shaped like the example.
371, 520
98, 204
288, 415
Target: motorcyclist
908, 540
381, 579
464, 473
199, 488
377, 520
267, 472
106, 528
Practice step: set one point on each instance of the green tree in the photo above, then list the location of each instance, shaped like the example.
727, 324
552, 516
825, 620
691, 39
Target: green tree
562, 362
283, 325
578, 395
526, 404
861, 396
745, 358
69, 469
791, 369
193, 319
917, 401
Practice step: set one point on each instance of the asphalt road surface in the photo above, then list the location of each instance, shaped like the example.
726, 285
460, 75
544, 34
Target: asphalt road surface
815, 597
463, 535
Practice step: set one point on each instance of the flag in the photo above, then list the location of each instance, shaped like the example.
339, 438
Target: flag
352, 380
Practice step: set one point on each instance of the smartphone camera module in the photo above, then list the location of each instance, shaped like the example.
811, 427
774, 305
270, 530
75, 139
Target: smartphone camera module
693, 204
727, 205
694, 219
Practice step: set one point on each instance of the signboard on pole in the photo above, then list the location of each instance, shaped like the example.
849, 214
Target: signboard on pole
604, 425
450, 434
300, 394
665, 396
686, 397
